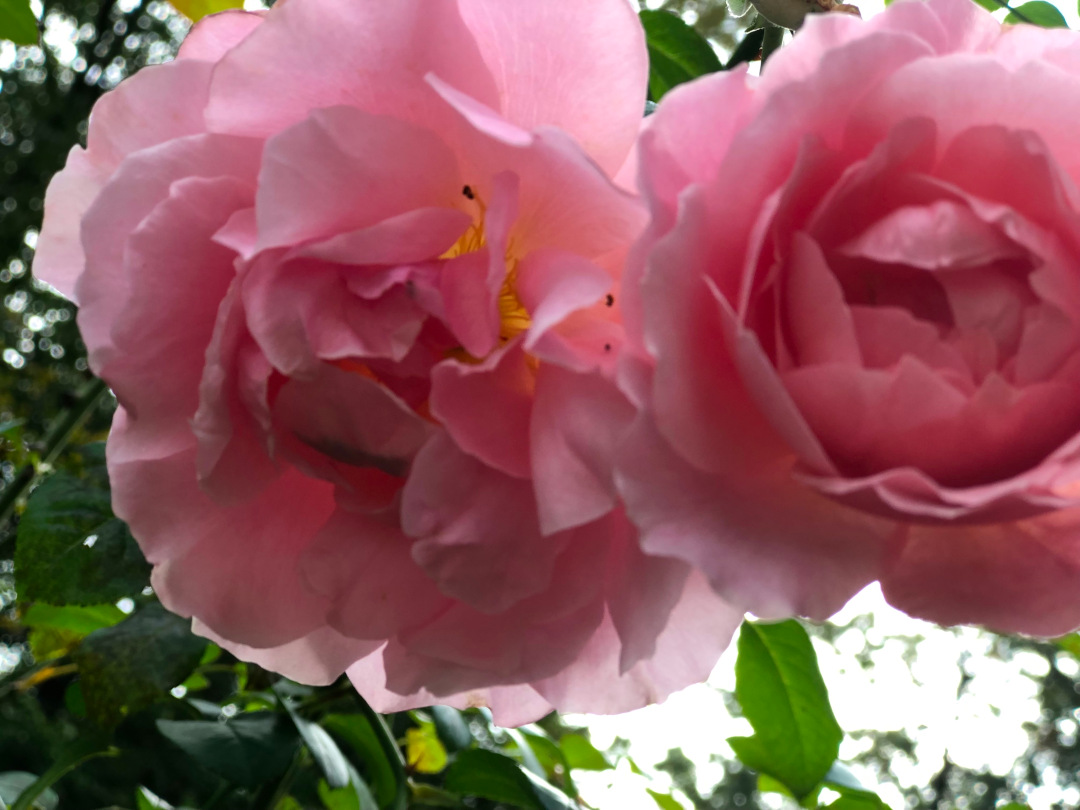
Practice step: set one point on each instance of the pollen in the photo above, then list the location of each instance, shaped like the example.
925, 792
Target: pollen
513, 316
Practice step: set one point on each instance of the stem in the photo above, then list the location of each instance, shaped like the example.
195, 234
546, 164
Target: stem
56, 440
771, 41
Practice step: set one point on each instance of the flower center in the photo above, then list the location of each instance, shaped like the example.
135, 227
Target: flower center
513, 317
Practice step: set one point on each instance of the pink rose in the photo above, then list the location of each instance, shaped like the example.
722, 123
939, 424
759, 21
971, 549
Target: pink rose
855, 323
348, 268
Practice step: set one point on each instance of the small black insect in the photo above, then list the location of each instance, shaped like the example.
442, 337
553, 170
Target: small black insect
609, 300
468, 192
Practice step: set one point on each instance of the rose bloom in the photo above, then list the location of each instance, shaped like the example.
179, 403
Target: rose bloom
855, 322
348, 268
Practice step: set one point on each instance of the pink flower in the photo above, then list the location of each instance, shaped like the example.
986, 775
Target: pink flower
856, 323
348, 269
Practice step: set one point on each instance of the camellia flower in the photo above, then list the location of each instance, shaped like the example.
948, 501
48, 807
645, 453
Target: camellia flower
855, 322
349, 269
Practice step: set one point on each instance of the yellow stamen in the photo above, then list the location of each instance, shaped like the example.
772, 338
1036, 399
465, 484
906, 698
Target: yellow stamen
514, 318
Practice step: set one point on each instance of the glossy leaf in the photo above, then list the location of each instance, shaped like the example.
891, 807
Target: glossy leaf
128, 666
248, 750
1040, 13
665, 801
451, 727
355, 733
13, 783
353, 796
70, 550
78, 752
677, 53
582, 754
493, 776
782, 694
18, 23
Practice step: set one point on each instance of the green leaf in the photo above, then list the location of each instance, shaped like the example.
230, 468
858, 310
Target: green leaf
677, 53
525, 752
323, 750
71, 550
18, 23
665, 800
748, 49
355, 732
842, 780
78, 752
451, 727
13, 783
56, 630
343, 798
77, 619
146, 799
582, 755
195, 10
353, 796
1040, 13
493, 776
779, 686
130, 665
248, 750
552, 758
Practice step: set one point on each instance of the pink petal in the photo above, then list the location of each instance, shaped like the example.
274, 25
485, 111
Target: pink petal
698, 631
552, 285
482, 117
318, 658
471, 283
138, 185
887, 334
580, 68
351, 420
59, 259
940, 235
486, 408
214, 36
343, 169
871, 419
236, 568
302, 311
177, 278
374, 57
476, 528
767, 544
818, 319
510, 705
700, 405
642, 591
1017, 577
577, 422
362, 564
414, 236
126, 120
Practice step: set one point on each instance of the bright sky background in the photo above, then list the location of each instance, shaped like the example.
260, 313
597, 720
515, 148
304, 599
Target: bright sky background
981, 729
